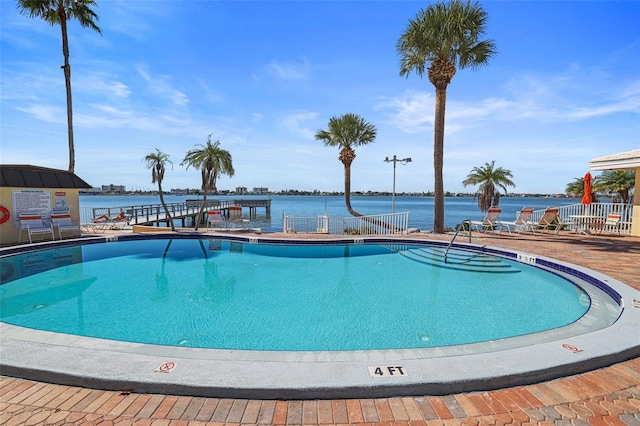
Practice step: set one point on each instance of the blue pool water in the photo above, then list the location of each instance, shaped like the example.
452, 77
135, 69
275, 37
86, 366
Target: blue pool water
213, 293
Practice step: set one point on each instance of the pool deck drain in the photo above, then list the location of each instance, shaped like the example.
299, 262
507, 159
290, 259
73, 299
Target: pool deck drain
609, 395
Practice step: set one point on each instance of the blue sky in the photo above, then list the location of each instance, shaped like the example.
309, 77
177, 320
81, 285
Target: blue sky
264, 76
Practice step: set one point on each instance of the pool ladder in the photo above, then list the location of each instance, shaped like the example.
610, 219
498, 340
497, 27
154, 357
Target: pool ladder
468, 221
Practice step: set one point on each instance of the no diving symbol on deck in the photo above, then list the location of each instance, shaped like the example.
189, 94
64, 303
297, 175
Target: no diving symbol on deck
570, 348
165, 367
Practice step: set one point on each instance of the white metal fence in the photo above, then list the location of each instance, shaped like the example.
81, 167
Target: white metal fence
600, 210
382, 224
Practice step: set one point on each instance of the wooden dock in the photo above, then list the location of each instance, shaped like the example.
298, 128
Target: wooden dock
154, 214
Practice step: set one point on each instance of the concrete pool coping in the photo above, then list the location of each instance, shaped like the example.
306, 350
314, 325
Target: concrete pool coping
97, 363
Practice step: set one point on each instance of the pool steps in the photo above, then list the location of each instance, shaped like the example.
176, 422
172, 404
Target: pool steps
460, 261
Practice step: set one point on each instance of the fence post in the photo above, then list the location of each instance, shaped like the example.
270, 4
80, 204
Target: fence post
284, 222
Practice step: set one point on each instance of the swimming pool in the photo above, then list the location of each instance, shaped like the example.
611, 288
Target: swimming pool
264, 310
221, 294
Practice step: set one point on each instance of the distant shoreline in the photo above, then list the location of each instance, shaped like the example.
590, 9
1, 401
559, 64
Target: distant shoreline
319, 194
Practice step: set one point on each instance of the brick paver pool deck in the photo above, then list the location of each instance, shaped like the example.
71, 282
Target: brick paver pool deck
608, 396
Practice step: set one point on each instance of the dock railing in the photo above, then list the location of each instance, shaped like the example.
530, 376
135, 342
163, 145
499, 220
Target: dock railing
137, 213
600, 210
382, 224
146, 213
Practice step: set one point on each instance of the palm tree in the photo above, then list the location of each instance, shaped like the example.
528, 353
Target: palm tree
156, 162
620, 182
489, 177
446, 35
575, 189
347, 132
57, 12
212, 161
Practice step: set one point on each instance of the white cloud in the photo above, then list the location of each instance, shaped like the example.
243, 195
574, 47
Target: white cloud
294, 124
289, 71
412, 112
574, 94
131, 18
208, 93
533, 98
160, 85
48, 113
628, 100
31, 86
101, 84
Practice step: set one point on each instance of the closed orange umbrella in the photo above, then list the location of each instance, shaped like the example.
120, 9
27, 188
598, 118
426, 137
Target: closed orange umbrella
586, 198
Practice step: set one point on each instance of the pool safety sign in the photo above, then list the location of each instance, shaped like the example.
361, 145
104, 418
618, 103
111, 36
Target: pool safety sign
571, 348
387, 371
165, 367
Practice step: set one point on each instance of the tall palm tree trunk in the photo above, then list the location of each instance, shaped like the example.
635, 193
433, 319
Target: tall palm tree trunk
204, 202
347, 191
164, 206
347, 155
438, 159
67, 80
201, 211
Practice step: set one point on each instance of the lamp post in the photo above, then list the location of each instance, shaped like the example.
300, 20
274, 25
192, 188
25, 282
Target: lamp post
395, 160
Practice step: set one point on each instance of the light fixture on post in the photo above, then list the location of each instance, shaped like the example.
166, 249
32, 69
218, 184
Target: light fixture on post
395, 160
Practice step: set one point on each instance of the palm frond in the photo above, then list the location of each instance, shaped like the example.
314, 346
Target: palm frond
447, 32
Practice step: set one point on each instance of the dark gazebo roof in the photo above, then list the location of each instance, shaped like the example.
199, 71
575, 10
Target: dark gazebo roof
25, 176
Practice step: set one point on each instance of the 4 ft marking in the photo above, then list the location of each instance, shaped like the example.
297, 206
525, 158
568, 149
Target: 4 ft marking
387, 371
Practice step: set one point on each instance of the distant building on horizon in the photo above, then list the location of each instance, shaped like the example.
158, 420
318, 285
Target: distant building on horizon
260, 190
114, 188
90, 191
187, 191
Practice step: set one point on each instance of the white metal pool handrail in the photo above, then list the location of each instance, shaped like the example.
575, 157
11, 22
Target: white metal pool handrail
455, 234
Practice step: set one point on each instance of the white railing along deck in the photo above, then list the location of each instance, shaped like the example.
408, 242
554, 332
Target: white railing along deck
382, 224
600, 210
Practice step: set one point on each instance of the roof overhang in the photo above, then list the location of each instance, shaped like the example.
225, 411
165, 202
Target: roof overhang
629, 160
27, 176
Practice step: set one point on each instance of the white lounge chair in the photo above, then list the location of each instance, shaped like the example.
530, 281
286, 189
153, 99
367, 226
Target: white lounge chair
215, 218
34, 225
522, 222
551, 221
63, 223
235, 216
103, 223
612, 222
490, 221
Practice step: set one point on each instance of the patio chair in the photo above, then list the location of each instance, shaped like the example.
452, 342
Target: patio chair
612, 222
215, 218
490, 221
63, 223
551, 221
522, 222
34, 225
235, 216
105, 222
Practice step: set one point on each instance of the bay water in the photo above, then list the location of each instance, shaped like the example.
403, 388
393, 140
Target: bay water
457, 209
